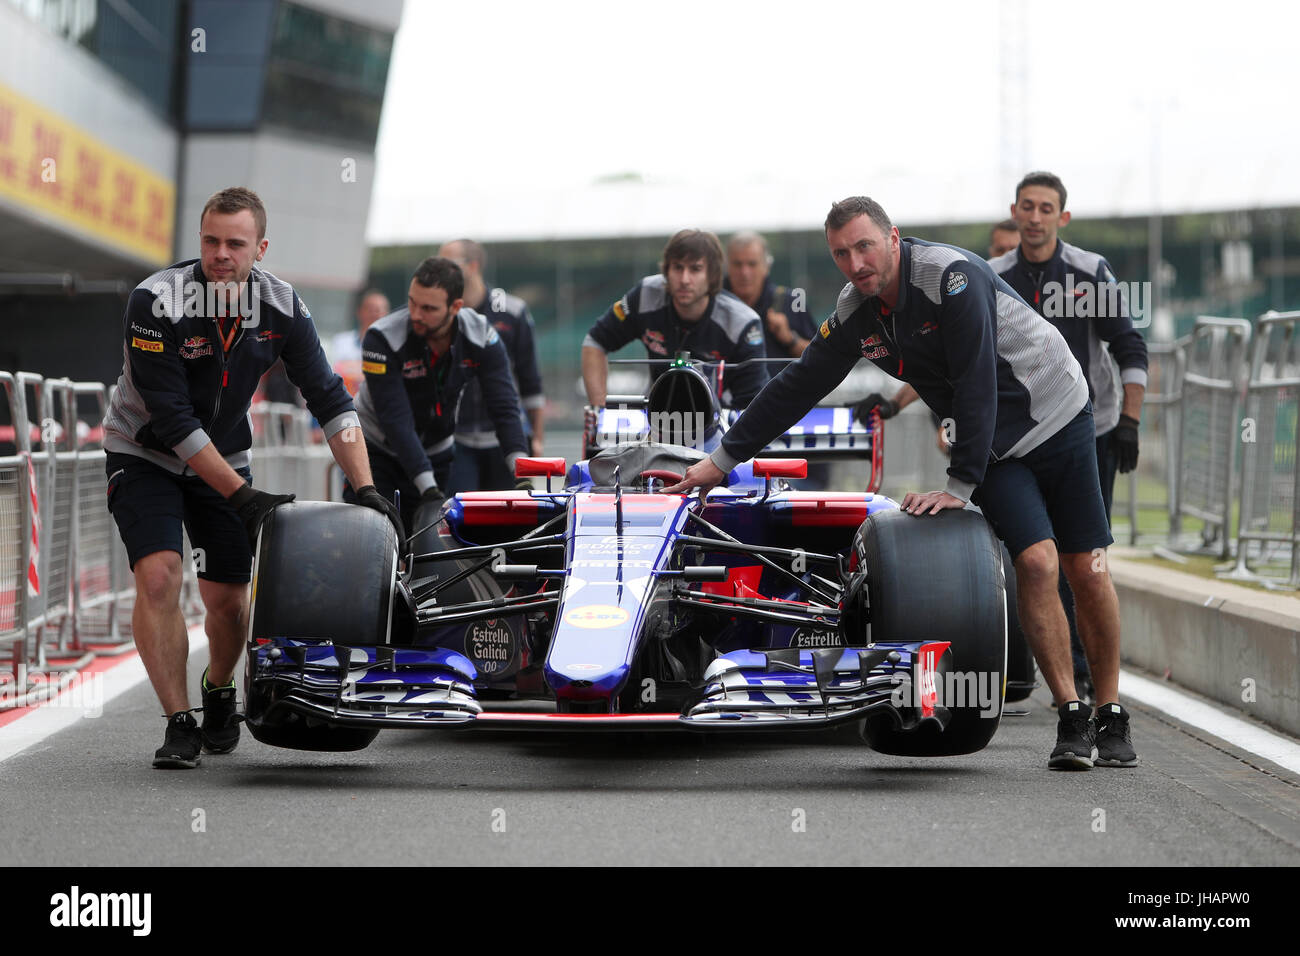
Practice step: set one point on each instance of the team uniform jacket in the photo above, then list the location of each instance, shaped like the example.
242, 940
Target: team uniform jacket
729, 331
1061, 288
972, 349
407, 402
782, 299
509, 315
179, 389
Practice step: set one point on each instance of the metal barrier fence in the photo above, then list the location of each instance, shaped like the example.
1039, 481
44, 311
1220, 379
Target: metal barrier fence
1150, 487
1267, 524
66, 591
1214, 381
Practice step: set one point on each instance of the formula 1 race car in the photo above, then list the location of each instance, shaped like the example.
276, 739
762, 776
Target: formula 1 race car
609, 605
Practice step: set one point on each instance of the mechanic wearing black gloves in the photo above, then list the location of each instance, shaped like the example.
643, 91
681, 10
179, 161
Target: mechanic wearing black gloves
889, 407
1077, 292
684, 309
198, 337
938, 318
417, 361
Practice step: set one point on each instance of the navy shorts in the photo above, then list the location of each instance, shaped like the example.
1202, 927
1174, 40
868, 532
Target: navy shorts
150, 505
1051, 492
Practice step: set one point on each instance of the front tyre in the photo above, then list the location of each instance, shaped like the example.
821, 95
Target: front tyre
940, 578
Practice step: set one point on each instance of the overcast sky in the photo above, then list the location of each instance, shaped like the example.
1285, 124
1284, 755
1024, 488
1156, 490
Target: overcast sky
502, 118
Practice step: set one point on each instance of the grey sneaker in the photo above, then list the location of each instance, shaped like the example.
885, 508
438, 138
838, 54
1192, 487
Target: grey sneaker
180, 749
1114, 746
1075, 745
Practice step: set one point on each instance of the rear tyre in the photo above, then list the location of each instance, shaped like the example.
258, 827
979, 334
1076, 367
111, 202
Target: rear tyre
940, 578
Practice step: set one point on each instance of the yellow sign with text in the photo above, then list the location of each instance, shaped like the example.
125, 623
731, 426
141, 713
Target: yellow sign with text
51, 166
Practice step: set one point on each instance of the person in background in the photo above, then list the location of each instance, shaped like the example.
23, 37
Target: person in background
787, 325
1076, 291
345, 348
478, 464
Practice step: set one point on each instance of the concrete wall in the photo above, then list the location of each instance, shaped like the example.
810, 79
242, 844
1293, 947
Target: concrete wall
1210, 636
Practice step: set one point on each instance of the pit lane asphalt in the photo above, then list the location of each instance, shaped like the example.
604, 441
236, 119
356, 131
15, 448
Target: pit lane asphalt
88, 796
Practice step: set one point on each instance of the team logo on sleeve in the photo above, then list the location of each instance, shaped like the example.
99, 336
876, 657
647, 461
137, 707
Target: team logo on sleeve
755, 335
375, 368
145, 345
826, 329
302, 307
956, 283
620, 309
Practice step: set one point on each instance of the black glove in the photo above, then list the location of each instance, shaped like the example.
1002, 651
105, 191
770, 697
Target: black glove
524, 484
432, 495
253, 506
1124, 443
369, 497
862, 411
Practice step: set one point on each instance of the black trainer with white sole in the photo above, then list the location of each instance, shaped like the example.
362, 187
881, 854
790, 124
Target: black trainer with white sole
180, 749
1114, 743
220, 729
1075, 743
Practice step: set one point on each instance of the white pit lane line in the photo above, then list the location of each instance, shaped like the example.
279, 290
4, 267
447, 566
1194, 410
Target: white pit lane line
1240, 733
69, 706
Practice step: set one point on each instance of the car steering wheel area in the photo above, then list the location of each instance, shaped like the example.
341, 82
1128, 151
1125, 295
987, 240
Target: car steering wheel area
662, 474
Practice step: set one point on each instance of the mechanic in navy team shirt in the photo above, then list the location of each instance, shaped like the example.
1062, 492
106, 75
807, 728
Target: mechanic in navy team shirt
479, 463
198, 337
1076, 291
1003, 237
417, 362
938, 318
787, 325
683, 309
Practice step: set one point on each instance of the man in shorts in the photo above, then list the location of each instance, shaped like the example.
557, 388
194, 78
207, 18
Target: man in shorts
938, 318
198, 337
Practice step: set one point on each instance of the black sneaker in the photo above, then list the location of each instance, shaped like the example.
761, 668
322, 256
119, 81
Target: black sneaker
220, 724
1075, 749
180, 750
1114, 747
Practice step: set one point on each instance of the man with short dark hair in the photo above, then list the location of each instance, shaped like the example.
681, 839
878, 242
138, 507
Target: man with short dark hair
1003, 237
938, 318
198, 337
683, 309
787, 325
417, 362
478, 462
1077, 292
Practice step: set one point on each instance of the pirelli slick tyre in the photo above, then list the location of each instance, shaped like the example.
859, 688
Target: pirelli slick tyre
295, 733
940, 578
324, 570
327, 571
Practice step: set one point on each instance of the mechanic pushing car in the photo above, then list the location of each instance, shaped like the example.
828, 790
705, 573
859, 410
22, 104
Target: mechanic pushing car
940, 319
417, 361
684, 309
198, 337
